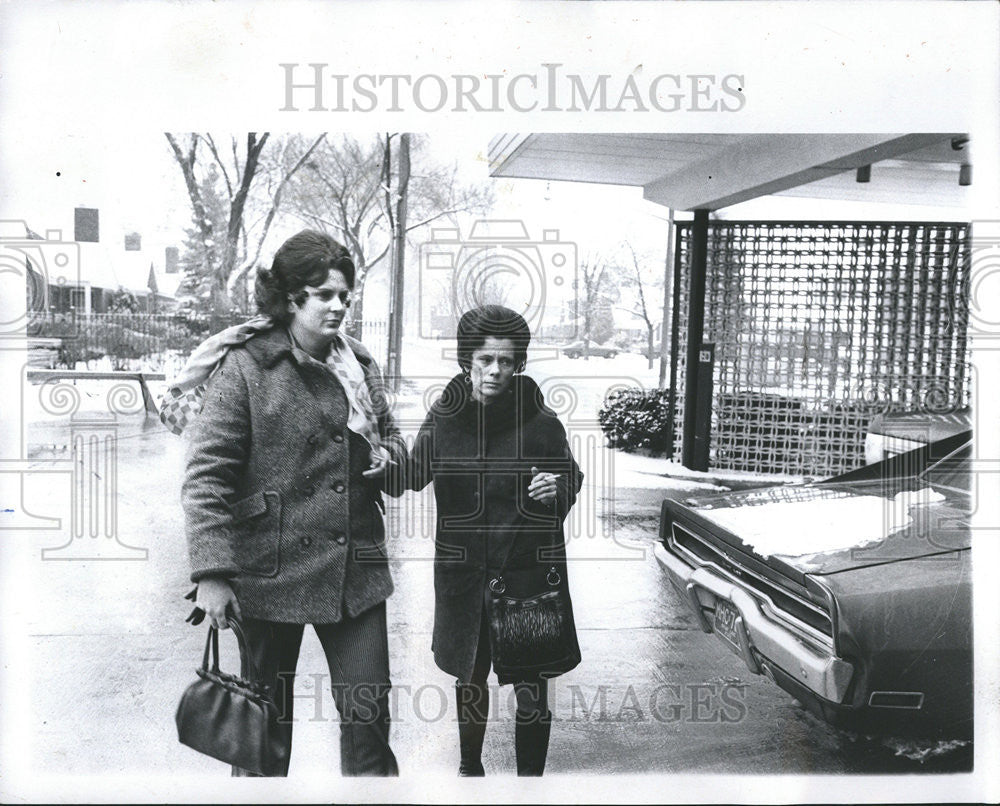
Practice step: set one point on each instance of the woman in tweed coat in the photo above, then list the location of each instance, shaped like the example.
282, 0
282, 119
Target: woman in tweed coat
283, 495
504, 481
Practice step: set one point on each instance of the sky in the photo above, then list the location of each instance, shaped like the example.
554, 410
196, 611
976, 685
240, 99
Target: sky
132, 178
137, 186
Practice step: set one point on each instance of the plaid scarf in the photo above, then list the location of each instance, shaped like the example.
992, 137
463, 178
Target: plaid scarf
344, 365
185, 395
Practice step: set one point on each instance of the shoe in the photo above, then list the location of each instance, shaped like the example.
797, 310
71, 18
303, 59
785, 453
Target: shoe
473, 704
531, 742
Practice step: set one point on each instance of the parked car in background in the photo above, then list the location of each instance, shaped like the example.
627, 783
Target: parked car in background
576, 350
893, 434
853, 594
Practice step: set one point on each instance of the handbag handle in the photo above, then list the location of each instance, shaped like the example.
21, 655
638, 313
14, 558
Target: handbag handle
248, 669
497, 585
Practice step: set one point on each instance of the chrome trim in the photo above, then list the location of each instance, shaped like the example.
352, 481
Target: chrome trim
809, 631
695, 602
816, 667
745, 652
917, 707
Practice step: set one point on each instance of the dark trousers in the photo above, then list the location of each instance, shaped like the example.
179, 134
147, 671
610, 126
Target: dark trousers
532, 695
357, 654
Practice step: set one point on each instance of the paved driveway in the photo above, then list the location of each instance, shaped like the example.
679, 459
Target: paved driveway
97, 653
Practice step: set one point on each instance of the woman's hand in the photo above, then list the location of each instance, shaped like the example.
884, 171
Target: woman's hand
543, 486
381, 462
214, 596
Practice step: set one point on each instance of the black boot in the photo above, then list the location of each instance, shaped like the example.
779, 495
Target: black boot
473, 707
531, 742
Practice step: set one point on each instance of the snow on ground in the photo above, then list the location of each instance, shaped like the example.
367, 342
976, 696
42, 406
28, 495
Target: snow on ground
650, 473
668, 467
428, 364
820, 525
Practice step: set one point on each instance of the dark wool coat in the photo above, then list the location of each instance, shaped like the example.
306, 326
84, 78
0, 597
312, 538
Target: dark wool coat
480, 459
273, 494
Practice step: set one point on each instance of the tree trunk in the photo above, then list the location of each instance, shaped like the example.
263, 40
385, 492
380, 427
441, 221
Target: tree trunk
355, 327
221, 305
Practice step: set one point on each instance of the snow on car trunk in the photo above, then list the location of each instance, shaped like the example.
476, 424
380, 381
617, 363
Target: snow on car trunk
829, 521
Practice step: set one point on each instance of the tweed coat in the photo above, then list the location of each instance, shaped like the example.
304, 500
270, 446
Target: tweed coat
274, 496
480, 459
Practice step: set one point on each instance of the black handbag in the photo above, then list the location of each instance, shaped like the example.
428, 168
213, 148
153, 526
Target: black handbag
234, 719
532, 632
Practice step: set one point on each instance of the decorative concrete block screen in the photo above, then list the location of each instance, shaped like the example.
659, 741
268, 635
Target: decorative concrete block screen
818, 326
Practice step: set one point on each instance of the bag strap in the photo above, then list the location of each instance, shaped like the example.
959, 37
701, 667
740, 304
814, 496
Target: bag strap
503, 567
211, 645
248, 669
506, 559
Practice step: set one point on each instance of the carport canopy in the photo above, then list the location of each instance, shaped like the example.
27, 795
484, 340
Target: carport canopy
706, 172
712, 171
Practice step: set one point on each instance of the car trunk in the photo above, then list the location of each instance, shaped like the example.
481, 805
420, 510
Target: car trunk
828, 528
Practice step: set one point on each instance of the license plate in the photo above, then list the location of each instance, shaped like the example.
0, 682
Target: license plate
725, 623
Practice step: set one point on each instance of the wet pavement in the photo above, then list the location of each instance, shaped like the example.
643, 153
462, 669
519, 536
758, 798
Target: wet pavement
104, 652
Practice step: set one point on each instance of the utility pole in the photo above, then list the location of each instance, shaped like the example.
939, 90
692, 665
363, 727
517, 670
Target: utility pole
394, 363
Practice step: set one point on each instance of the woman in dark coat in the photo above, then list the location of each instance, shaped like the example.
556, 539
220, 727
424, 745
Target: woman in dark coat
504, 481
282, 494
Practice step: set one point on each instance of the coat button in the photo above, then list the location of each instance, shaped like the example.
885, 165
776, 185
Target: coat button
338, 437
312, 439
307, 541
339, 487
340, 537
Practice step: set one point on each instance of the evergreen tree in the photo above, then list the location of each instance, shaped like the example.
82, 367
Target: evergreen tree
200, 257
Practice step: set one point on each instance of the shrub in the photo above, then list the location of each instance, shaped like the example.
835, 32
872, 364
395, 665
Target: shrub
636, 418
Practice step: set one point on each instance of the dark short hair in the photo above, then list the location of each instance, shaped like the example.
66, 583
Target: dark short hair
479, 324
307, 258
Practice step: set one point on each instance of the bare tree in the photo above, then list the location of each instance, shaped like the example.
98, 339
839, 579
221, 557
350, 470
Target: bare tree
491, 290
644, 277
596, 293
350, 188
229, 245
275, 178
474, 287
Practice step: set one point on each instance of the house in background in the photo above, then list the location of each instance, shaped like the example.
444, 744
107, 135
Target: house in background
105, 265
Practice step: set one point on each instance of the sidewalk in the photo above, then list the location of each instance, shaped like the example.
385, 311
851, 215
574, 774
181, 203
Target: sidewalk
103, 652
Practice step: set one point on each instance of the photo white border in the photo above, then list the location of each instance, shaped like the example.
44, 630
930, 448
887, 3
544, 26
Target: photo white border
810, 67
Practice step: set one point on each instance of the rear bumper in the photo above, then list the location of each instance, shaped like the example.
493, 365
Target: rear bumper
763, 643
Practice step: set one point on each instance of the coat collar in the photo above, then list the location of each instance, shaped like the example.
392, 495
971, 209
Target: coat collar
271, 346
523, 402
